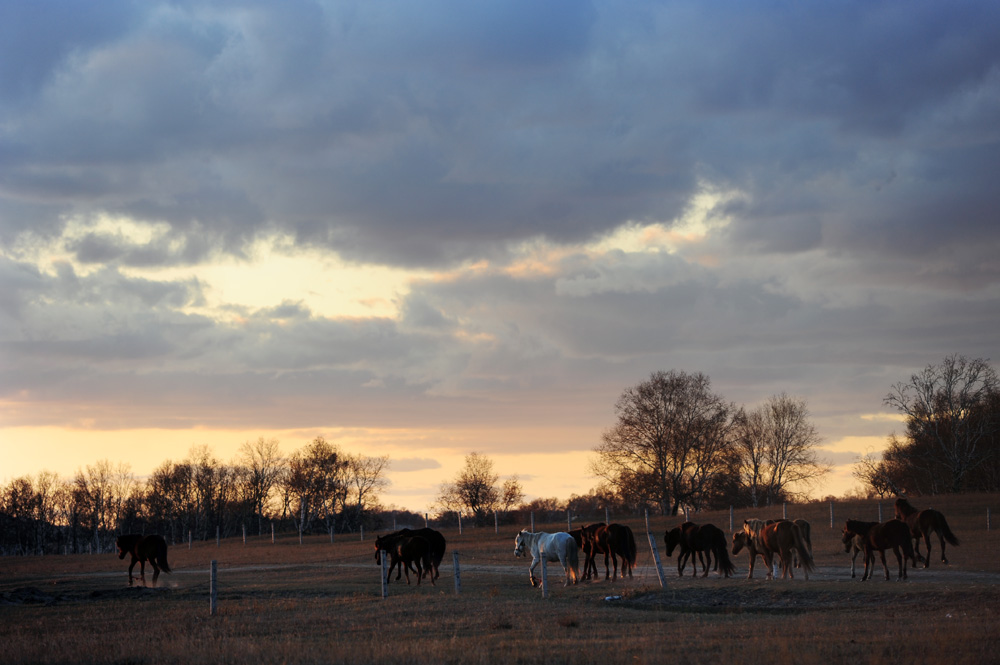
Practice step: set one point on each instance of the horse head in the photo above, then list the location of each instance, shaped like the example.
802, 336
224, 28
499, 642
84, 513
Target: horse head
519, 544
379, 545
739, 541
672, 539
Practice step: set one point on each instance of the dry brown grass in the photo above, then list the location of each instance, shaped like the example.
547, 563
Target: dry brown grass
321, 603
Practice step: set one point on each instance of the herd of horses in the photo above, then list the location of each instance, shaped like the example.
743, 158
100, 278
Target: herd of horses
421, 550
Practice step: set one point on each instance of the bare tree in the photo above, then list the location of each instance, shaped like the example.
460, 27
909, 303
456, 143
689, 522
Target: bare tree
261, 465
669, 442
366, 478
949, 418
101, 491
776, 444
476, 489
879, 475
315, 483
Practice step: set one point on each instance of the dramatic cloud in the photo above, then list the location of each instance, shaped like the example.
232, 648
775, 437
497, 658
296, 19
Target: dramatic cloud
428, 215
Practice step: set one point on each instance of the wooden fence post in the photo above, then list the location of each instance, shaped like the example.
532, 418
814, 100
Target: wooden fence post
385, 580
730, 518
214, 592
460, 522
569, 520
496, 523
425, 520
656, 553
458, 574
218, 539
272, 533
879, 511
784, 510
189, 538
362, 533
244, 535
607, 518
331, 533
831, 514
532, 521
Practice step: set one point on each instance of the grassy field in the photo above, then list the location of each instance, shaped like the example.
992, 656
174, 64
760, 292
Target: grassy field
321, 603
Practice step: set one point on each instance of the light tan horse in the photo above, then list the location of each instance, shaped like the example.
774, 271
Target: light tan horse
767, 539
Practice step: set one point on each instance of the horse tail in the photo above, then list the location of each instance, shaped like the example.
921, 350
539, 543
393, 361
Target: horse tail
161, 555
907, 544
630, 550
804, 553
946, 531
722, 556
574, 562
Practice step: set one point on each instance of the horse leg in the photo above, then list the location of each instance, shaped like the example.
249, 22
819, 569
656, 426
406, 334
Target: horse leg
916, 548
885, 567
531, 571
899, 560
927, 542
156, 571
944, 559
130, 567
142, 571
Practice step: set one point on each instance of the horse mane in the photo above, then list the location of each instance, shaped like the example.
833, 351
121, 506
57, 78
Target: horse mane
752, 528
904, 507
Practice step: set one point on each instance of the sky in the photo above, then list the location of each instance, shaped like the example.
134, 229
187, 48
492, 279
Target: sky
422, 229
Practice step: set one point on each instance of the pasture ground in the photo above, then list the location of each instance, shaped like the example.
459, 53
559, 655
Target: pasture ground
321, 603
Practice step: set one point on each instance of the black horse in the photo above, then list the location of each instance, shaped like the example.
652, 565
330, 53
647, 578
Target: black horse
699, 539
407, 551
152, 548
434, 539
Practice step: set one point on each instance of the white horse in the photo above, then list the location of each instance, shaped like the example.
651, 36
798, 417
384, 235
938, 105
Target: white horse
559, 547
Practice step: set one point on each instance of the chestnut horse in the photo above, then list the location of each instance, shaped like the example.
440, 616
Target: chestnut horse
587, 540
922, 523
767, 539
892, 534
853, 545
152, 548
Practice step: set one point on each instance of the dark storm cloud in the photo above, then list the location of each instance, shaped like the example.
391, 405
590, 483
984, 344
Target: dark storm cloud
428, 133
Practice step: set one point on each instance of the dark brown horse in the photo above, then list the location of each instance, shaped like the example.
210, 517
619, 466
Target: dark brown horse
695, 539
433, 538
618, 542
922, 523
893, 534
404, 552
587, 540
150, 548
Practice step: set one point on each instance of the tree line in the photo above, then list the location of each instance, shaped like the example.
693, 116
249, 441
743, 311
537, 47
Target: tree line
674, 443
317, 488
951, 413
